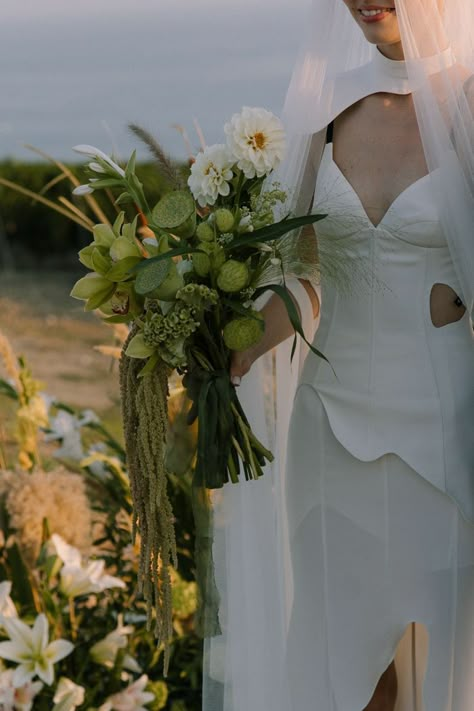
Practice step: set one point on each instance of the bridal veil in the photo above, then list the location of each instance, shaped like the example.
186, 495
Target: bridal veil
244, 665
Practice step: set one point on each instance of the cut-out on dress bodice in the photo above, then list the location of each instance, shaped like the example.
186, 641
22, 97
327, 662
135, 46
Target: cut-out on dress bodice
395, 382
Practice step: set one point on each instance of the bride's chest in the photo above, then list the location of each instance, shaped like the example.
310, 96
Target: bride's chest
377, 148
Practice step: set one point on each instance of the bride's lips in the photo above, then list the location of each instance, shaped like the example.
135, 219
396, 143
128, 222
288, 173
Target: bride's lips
384, 12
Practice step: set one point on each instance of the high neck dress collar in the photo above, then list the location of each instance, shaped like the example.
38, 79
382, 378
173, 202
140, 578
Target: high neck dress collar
398, 70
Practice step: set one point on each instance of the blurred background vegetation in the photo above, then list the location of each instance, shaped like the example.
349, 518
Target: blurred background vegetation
31, 234
73, 354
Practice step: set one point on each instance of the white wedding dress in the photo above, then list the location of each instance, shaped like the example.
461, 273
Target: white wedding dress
380, 470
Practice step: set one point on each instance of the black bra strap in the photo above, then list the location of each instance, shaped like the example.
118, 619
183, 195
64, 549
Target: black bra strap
330, 132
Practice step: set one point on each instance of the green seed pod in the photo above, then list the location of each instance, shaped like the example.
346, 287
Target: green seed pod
233, 276
224, 219
244, 332
201, 263
204, 232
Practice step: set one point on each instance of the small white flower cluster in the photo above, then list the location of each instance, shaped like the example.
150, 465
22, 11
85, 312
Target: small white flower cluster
255, 145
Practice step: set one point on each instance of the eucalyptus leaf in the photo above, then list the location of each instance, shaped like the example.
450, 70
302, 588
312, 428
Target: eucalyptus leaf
152, 275
173, 209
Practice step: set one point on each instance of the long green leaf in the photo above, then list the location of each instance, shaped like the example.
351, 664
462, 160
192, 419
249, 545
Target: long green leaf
178, 251
272, 232
293, 315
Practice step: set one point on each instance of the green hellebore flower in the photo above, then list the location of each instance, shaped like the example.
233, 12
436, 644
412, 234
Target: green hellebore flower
224, 219
85, 256
233, 276
103, 235
122, 248
93, 288
101, 262
243, 332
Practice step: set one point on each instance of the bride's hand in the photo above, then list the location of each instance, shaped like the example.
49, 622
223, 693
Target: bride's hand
240, 364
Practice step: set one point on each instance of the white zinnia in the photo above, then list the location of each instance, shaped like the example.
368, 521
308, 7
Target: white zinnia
77, 579
256, 138
210, 174
30, 649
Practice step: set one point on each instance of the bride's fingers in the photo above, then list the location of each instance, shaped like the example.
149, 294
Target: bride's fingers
240, 365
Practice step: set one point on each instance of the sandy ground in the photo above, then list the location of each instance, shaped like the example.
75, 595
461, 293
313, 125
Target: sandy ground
56, 336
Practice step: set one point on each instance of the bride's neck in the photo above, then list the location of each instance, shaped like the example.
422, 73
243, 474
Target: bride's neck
392, 51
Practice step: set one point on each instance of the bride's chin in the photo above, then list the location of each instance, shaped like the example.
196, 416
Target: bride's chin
376, 35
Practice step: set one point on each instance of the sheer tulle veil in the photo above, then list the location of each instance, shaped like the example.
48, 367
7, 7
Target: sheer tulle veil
245, 666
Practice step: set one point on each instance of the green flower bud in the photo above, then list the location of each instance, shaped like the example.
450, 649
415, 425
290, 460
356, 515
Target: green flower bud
233, 276
244, 332
204, 232
224, 219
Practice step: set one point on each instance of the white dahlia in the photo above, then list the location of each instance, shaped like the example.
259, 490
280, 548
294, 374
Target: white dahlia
256, 138
210, 174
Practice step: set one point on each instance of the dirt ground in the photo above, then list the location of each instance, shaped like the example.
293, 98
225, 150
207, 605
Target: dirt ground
56, 336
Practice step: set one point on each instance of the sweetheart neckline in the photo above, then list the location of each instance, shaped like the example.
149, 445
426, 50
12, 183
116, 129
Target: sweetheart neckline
392, 204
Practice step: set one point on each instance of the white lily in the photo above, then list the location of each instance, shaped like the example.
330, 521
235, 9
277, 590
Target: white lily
130, 699
7, 606
30, 649
105, 650
93, 152
68, 695
78, 579
67, 427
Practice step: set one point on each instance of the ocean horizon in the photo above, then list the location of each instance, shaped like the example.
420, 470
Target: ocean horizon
83, 79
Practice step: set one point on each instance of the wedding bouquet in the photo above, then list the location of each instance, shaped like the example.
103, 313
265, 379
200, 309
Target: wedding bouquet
186, 274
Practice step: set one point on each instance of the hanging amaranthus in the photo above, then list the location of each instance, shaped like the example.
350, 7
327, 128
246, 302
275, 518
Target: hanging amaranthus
145, 421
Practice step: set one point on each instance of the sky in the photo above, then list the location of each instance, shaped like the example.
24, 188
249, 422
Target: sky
81, 72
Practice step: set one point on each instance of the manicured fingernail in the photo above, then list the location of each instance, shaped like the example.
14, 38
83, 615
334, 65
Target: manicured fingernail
235, 380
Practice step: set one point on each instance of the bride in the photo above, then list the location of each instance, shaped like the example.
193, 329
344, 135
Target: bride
346, 577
